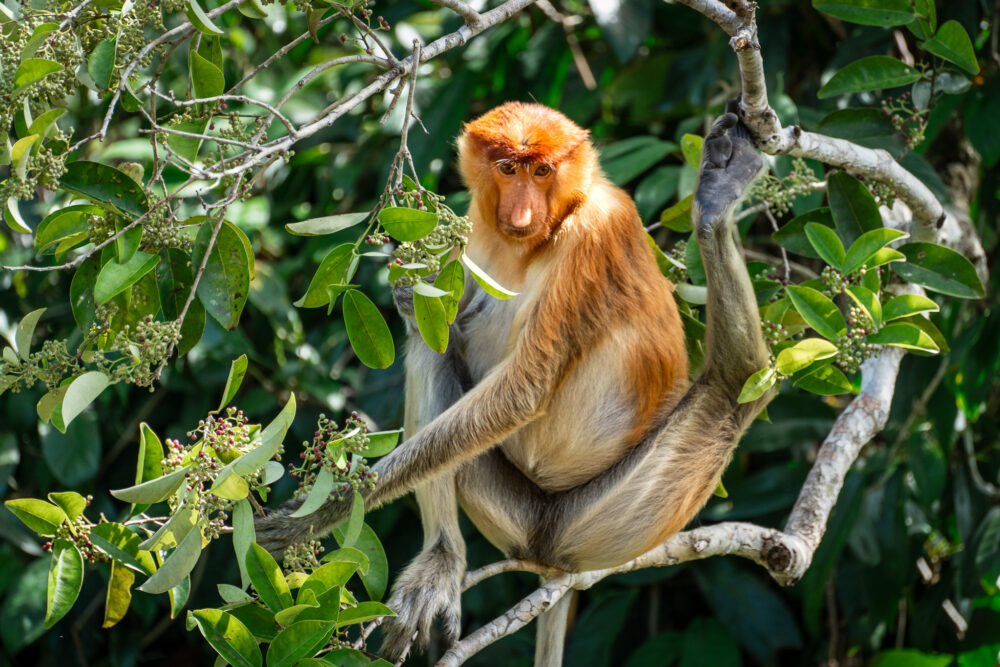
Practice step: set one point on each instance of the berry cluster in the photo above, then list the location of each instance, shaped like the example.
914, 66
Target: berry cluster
337, 451
906, 118
302, 556
452, 231
853, 348
778, 194
77, 532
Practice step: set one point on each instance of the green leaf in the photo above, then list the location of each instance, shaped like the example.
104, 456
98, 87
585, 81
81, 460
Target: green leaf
757, 385
299, 640
867, 301
230, 486
326, 225
691, 148
38, 515
199, 19
173, 532
26, 331
327, 576
237, 371
119, 595
818, 311
174, 279
678, 217
953, 44
32, 70
910, 658
122, 545
826, 243
825, 381
939, 269
65, 581
904, 335
871, 73
367, 331
185, 146
432, 321
105, 185
853, 207
377, 578
381, 443
362, 613
225, 285
70, 502
407, 224
153, 491
908, 304
177, 565
82, 392
884, 256
318, 494
228, 636
267, 579
20, 152
332, 271
65, 224
252, 9
206, 79
270, 441
101, 63
451, 279
490, 286
13, 217
792, 235
353, 528
38, 36
869, 243
868, 12
149, 463
623, 160
802, 354
243, 536
116, 277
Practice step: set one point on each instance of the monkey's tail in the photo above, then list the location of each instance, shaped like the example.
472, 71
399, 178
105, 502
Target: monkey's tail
553, 626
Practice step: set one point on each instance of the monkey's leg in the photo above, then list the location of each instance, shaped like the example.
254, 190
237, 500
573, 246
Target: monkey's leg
431, 585
663, 481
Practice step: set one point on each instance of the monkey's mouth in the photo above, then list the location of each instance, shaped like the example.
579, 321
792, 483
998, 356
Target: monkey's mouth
519, 232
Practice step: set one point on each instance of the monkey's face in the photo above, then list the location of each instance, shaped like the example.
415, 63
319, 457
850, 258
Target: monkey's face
523, 197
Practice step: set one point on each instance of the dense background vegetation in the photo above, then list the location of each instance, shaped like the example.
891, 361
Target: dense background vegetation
912, 555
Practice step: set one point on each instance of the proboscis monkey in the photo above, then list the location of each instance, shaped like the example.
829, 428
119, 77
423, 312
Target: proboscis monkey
562, 420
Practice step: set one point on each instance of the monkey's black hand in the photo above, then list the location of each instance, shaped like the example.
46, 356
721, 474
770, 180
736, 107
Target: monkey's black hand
431, 586
277, 530
729, 164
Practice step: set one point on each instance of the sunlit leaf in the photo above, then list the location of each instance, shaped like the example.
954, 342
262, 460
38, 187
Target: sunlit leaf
228, 636
906, 305
818, 311
154, 490
200, 19
802, 354
939, 269
267, 579
489, 285
65, 581
327, 224
871, 73
82, 392
407, 224
953, 44
38, 515
177, 565
367, 331
119, 595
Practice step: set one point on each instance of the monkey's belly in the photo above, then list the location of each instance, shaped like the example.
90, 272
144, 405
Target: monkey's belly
582, 432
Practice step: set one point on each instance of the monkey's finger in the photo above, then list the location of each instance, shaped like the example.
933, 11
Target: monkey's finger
725, 122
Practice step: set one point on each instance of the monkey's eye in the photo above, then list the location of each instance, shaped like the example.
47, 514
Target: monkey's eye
507, 168
543, 170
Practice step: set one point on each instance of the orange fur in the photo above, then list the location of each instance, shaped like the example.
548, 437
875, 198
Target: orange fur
600, 280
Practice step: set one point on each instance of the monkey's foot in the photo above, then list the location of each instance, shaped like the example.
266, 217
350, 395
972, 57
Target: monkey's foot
730, 163
431, 586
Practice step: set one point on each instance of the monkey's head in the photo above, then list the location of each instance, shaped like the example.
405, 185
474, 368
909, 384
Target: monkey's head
527, 167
